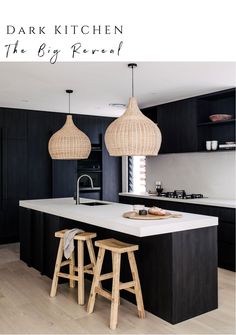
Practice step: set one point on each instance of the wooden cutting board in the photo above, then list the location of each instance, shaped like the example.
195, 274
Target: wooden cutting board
136, 216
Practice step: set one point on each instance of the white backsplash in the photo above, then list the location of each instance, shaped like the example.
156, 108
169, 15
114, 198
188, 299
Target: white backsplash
209, 173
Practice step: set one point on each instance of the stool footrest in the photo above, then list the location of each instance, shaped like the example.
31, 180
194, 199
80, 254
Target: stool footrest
106, 276
87, 268
65, 263
67, 276
103, 293
127, 285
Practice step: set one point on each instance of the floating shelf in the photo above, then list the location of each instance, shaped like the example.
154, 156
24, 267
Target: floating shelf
218, 150
215, 123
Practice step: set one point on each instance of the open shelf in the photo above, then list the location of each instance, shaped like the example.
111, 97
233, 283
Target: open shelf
218, 150
210, 123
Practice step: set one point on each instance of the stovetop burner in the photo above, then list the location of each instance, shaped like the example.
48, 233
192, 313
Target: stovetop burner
181, 194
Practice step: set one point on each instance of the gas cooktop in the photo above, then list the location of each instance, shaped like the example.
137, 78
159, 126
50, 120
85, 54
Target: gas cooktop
180, 194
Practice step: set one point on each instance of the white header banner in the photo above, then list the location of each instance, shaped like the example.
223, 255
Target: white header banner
76, 31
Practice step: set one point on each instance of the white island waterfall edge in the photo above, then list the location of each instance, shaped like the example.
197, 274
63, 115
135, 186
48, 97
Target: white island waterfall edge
110, 217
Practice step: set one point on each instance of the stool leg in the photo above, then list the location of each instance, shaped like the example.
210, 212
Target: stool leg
112, 257
81, 272
96, 277
72, 269
137, 286
57, 269
91, 252
115, 290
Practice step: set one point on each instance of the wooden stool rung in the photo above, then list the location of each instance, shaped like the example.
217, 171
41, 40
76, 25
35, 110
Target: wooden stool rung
67, 276
65, 263
131, 290
88, 266
124, 286
106, 276
103, 293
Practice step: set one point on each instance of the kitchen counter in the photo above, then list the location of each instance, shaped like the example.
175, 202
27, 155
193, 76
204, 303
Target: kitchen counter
110, 216
228, 203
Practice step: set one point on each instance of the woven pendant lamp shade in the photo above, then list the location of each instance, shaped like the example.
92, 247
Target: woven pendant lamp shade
133, 134
69, 142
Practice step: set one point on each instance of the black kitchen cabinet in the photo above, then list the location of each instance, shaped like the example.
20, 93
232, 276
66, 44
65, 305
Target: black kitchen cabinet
177, 123
64, 177
28, 172
39, 126
185, 124
112, 170
226, 227
151, 113
15, 123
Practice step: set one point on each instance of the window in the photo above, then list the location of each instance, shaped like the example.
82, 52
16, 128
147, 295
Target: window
137, 174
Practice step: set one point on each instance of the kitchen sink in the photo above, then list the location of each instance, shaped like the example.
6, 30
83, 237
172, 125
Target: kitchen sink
94, 203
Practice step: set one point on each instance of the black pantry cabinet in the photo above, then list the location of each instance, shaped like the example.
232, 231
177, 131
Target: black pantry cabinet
226, 227
28, 172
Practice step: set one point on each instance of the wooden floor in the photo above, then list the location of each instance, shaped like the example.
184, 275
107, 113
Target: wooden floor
25, 307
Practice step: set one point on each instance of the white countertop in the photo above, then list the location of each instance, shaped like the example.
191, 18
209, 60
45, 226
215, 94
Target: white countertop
110, 217
202, 201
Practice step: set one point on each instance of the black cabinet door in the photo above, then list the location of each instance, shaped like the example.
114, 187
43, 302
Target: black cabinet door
64, 177
112, 174
15, 169
151, 113
186, 124
90, 125
15, 123
177, 122
167, 122
39, 161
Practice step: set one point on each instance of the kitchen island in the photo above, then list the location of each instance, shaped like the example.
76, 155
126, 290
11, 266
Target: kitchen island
177, 258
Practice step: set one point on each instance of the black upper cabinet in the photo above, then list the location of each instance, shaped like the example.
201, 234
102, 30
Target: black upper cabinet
185, 124
177, 123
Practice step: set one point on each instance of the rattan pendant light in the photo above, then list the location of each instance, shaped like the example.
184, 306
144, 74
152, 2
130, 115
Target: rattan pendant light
69, 142
133, 134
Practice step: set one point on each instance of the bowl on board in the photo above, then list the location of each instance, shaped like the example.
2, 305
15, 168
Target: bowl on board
220, 117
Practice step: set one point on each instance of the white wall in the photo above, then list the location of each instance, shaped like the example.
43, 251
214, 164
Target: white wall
209, 173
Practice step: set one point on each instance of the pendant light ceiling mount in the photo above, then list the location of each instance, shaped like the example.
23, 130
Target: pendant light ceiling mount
69, 142
69, 91
132, 65
133, 134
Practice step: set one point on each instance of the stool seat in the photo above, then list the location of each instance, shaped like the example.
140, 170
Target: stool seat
78, 237
116, 246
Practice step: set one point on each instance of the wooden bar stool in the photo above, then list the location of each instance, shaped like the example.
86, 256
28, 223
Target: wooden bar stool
81, 269
117, 248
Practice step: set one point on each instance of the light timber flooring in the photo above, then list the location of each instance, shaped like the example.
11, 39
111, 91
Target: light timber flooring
26, 308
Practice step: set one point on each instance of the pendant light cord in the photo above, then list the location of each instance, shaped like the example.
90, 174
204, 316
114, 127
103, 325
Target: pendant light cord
132, 82
69, 103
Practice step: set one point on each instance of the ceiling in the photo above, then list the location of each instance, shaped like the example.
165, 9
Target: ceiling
41, 86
